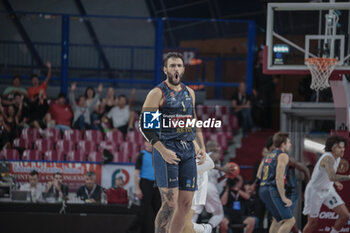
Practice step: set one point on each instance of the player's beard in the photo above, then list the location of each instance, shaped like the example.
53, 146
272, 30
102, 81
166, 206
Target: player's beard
175, 79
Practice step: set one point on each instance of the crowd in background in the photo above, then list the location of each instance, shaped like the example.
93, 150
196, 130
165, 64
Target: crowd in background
23, 108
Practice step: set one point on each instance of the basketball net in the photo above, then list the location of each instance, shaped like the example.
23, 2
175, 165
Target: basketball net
320, 68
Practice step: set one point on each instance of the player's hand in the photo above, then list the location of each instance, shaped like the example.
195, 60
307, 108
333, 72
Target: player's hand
287, 202
338, 185
170, 157
139, 194
201, 156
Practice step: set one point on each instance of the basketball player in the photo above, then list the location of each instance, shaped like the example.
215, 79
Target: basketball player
291, 185
272, 190
173, 149
320, 190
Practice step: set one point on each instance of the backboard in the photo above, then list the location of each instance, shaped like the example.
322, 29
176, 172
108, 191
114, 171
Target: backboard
296, 31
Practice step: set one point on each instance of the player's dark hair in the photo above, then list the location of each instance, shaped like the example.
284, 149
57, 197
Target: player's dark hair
34, 173
332, 140
173, 55
269, 142
279, 138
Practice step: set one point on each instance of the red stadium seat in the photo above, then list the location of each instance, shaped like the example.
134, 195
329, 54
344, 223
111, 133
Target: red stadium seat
86, 146
78, 156
93, 135
30, 134
65, 145
127, 151
135, 137
9, 154
54, 155
202, 110
52, 134
220, 110
72, 135
95, 156
116, 156
220, 138
115, 137
23, 143
31, 155
43, 145
110, 146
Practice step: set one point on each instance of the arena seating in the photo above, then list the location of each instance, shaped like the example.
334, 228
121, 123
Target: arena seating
88, 145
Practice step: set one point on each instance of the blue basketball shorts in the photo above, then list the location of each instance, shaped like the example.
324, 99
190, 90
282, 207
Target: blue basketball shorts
184, 174
273, 202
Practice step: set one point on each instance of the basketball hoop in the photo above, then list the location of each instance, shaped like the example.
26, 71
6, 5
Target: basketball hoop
320, 68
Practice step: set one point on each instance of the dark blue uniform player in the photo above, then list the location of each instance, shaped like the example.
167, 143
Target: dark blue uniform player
165, 118
272, 185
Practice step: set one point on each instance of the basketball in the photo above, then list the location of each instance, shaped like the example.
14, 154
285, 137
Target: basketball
235, 172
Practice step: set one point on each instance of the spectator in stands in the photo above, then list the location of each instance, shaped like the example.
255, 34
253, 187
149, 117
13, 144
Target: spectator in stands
11, 119
22, 109
35, 89
254, 207
82, 111
145, 189
56, 188
233, 200
38, 109
90, 192
121, 115
109, 101
15, 88
117, 194
4, 133
61, 113
34, 186
241, 104
95, 116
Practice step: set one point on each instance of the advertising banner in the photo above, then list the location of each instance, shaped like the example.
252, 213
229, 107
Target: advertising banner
73, 173
112, 171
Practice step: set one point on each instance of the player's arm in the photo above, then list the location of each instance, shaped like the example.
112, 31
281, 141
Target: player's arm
282, 162
258, 174
328, 163
153, 100
299, 166
199, 136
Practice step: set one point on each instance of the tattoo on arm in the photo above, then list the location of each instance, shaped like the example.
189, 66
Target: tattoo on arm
329, 166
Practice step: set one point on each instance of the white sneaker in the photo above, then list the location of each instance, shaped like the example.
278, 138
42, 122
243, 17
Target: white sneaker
207, 228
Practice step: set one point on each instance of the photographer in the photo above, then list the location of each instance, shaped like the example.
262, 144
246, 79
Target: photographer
233, 199
56, 189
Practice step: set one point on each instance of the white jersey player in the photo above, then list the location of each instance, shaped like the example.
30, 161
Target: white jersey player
320, 190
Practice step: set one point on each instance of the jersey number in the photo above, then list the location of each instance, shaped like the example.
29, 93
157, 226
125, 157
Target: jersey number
266, 172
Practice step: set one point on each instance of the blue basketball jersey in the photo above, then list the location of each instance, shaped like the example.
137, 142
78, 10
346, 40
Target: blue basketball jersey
268, 176
176, 109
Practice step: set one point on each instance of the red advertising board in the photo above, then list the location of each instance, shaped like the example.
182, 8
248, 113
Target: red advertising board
73, 173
